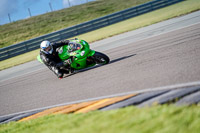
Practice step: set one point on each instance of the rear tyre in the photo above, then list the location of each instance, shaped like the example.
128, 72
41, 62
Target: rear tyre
101, 58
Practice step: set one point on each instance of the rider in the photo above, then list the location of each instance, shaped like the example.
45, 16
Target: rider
49, 56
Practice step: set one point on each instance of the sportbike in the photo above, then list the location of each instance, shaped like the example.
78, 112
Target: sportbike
81, 55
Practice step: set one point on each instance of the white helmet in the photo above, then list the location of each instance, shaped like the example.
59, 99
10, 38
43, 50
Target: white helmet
46, 47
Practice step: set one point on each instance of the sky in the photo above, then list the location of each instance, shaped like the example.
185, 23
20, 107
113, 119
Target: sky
22, 9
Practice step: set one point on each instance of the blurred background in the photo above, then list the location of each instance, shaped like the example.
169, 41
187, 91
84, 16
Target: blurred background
13, 10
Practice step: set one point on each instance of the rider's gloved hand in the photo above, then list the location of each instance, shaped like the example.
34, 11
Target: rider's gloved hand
67, 62
63, 64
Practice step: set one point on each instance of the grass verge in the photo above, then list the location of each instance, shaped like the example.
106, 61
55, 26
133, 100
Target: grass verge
20, 59
179, 9
166, 13
18, 31
165, 119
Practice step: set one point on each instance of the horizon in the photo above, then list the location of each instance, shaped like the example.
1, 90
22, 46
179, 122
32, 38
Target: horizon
14, 10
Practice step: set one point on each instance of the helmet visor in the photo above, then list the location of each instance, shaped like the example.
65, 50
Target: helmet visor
47, 49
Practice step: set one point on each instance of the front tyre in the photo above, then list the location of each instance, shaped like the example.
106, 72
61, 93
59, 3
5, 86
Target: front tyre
101, 58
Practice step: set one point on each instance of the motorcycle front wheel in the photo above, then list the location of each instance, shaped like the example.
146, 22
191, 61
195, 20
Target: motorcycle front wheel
101, 58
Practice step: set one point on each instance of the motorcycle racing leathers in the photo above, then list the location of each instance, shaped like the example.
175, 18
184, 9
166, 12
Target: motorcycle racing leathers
53, 62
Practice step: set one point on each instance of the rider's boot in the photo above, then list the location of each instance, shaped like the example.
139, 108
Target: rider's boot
65, 71
72, 70
58, 72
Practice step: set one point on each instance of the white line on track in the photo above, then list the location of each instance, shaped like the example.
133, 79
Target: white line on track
121, 45
137, 35
176, 86
18, 76
196, 83
168, 31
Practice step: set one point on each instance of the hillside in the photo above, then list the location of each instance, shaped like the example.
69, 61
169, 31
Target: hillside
39, 25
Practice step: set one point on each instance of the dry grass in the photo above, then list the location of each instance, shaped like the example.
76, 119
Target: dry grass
179, 9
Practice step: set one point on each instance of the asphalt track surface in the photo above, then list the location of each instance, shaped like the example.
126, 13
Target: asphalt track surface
162, 60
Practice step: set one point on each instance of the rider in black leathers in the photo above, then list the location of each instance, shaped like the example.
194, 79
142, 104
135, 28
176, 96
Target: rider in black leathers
49, 56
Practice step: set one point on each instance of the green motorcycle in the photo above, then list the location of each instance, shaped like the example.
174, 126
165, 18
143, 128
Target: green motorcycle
80, 54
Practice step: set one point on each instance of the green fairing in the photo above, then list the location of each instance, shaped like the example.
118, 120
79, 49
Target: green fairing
39, 59
80, 61
81, 53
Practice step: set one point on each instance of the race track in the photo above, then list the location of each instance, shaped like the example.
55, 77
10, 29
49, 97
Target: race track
162, 60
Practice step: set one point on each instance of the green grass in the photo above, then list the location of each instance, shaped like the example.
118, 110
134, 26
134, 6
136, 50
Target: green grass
166, 13
157, 119
39, 25
179, 9
20, 59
